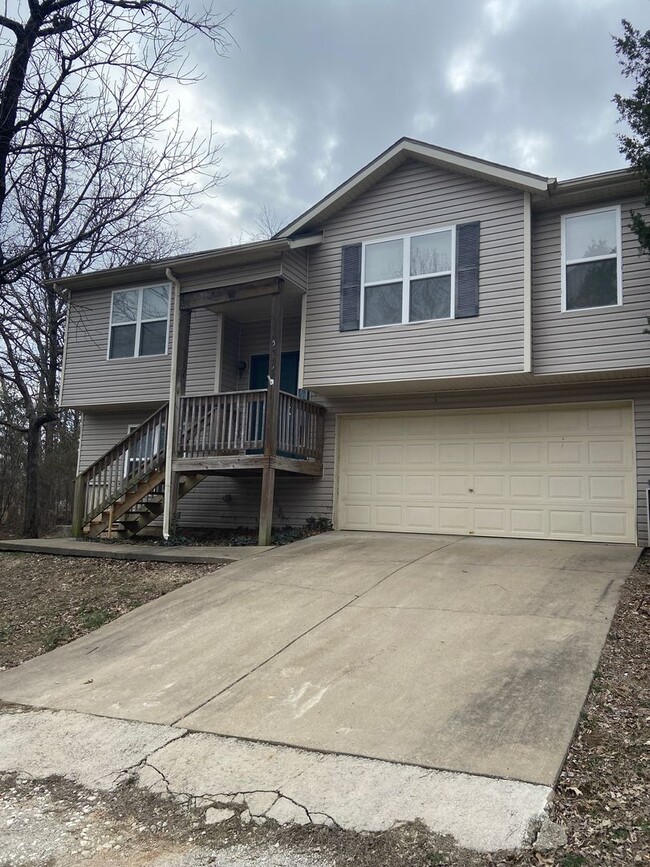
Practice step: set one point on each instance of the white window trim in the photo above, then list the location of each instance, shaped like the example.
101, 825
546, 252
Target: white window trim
407, 278
139, 321
616, 209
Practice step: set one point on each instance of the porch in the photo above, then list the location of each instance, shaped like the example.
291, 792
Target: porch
252, 431
225, 434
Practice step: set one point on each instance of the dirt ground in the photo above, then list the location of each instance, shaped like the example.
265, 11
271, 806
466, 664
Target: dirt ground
603, 794
46, 601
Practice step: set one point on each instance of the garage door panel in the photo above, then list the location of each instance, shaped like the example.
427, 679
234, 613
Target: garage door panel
531, 487
389, 484
491, 521
608, 451
489, 453
452, 453
556, 472
421, 518
422, 485
610, 488
567, 487
528, 522
453, 519
493, 486
562, 452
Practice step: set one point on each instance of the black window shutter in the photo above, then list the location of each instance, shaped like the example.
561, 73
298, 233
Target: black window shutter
350, 287
467, 277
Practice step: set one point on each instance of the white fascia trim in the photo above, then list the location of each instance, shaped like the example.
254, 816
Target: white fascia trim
500, 173
528, 287
452, 160
305, 241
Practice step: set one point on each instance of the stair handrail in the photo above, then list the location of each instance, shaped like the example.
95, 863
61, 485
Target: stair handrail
117, 483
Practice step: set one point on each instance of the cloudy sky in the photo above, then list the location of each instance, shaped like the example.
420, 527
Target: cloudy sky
315, 89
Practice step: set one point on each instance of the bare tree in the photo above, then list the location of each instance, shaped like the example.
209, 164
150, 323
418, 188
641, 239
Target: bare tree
94, 165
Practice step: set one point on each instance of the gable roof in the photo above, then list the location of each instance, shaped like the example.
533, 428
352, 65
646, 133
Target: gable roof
400, 152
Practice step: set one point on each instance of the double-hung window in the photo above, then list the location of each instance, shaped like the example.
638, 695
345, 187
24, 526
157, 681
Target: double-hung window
408, 279
591, 259
139, 322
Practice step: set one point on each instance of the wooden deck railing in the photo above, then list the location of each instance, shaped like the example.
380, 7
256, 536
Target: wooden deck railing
300, 428
233, 423
120, 469
230, 423
221, 424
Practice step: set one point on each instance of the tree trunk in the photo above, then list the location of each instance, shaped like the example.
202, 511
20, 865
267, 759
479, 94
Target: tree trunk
30, 518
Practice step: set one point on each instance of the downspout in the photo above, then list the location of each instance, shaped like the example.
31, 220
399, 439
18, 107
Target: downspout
171, 411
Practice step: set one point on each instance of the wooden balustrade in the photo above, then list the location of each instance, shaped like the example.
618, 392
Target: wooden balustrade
120, 469
221, 424
233, 423
300, 428
214, 425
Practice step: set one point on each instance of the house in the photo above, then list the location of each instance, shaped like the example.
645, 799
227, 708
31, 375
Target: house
441, 345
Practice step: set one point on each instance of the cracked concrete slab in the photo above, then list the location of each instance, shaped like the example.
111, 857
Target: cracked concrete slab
88, 750
260, 782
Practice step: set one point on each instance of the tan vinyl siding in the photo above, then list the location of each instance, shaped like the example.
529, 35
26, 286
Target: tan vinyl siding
102, 430
90, 378
414, 198
202, 356
582, 340
230, 355
243, 273
93, 380
295, 268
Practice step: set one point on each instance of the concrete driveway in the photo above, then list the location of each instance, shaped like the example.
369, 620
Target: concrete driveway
460, 653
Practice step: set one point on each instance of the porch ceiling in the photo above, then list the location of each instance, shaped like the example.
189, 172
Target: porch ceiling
258, 309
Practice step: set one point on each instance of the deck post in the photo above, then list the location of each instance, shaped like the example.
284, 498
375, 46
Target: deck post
79, 505
271, 417
178, 379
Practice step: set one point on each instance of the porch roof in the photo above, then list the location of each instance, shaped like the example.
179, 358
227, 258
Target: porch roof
188, 263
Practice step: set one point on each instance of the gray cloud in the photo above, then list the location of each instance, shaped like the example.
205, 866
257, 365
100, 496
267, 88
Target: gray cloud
315, 90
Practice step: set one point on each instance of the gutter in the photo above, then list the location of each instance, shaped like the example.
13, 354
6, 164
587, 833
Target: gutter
170, 439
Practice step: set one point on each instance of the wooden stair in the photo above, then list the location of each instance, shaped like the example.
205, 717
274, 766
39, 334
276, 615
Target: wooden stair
124, 490
142, 505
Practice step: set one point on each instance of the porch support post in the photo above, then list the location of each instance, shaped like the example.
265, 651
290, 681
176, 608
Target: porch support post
271, 416
79, 505
177, 381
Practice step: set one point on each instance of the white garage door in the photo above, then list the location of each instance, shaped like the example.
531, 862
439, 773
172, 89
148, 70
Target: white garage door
549, 472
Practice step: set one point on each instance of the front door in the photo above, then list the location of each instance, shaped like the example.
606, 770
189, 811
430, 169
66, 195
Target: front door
259, 372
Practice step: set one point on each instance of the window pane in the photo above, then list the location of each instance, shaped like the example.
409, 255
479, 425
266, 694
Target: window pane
591, 235
125, 306
592, 284
430, 299
152, 338
154, 303
431, 253
384, 261
122, 341
383, 304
